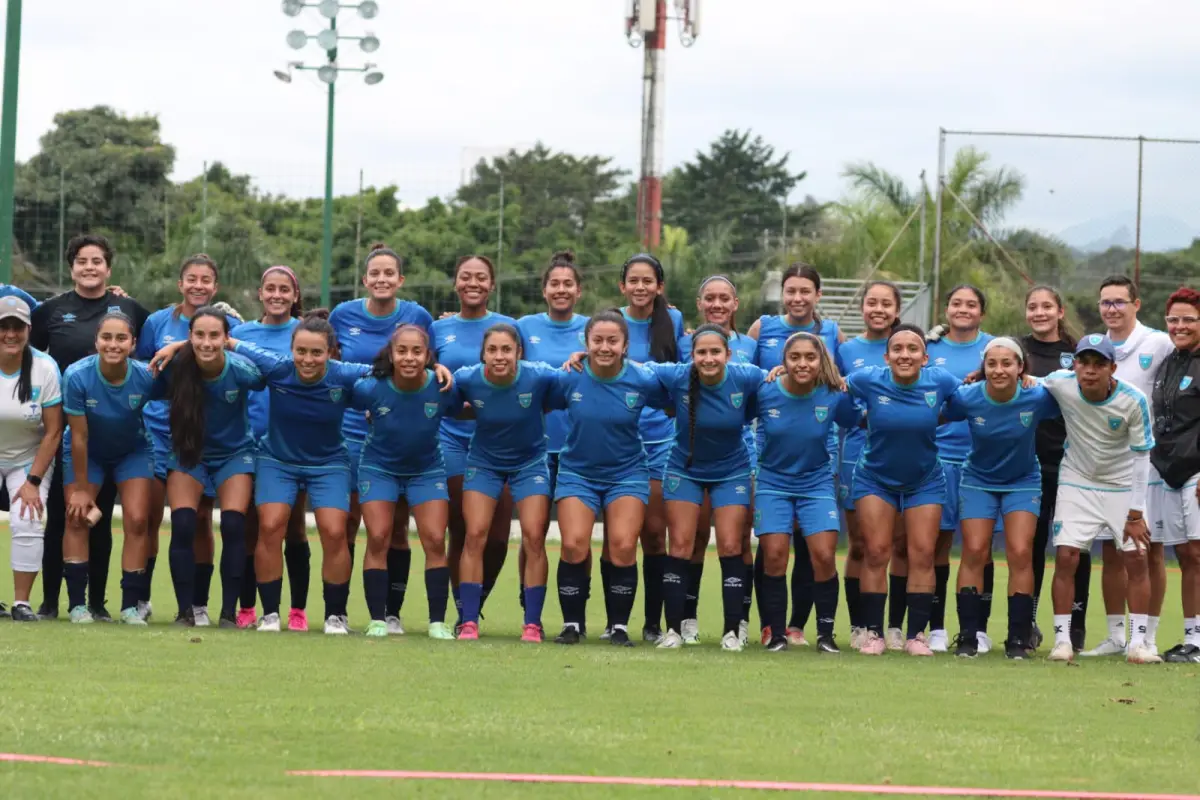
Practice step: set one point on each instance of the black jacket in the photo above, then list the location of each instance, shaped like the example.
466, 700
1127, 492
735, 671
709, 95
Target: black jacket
1042, 358
1176, 401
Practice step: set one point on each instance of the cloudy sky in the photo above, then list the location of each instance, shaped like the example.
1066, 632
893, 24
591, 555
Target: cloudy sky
831, 82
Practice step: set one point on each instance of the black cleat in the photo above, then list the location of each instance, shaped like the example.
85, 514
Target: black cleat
966, 646
1016, 650
651, 633
777, 644
1035, 638
1182, 654
227, 620
620, 638
185, 619
826, 644
47, 612
23, 613
100, 614
569, 635
1078, 637
4, 611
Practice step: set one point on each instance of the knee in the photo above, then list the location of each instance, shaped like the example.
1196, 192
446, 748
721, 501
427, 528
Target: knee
28, 544
333, 540
1020, 554
775, 562
1136, 565
876, 554
378, 542
574, 552
823, 561
135, 523
974, 556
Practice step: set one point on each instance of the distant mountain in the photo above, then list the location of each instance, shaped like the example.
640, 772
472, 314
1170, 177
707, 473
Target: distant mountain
1159, 233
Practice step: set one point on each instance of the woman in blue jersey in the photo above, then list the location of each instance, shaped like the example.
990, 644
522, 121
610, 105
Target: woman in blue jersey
507, 397
800, 292
881, 303
457, 341
898, 474
198, 284
279, 293
796, 488
654, 332
957, 348
364, 327
211, 445
103, 399
713, 399
1001, 483
401, 465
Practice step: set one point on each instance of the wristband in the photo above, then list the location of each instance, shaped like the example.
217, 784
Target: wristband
34, 480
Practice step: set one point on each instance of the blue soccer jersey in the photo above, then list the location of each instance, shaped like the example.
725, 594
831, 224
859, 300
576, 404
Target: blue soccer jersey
902, 420
960, 360
742, 349
361, 335
303, 428
552, 342
795, 428
226, 397
162, 328
773, 333
656, 425
458, 342
403, 439
1003, 454
277, 339
113, 410
510, 426
718, 452
604, 442
853, 355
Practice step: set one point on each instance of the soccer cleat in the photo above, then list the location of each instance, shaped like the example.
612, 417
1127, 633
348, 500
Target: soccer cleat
1180, 654
826, 644
23, 613
468, 632
894, 639
377, 629
47, 612
652, 633
857, 637
1152, 647
1016, 650
795, 637
731, 643
394, 626
100, 614
1062, 651
4, 614
939, 641
1035, 637
298, 620
670, 641
777, 644
532, 632
246, 617
184, 619
983, 642
440, 630
964, 646
1078, 637
582, 630
228, 621
620, 638
917, 647
79, 615
744, 632
200, 615
690, 631
765, 635
269, 623
607, 633
130, 616
1106, 648
872, 645
145, 610
569, 635
337, 625
1142, 654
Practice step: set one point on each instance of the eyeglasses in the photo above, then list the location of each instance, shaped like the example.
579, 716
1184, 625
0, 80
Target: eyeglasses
1190, 319
1113, 305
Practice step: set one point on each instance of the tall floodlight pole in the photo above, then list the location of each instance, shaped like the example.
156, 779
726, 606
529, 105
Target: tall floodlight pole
646, 24
8, 136
328, 72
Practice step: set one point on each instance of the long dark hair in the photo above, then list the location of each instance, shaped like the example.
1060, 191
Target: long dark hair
663, 347
382, 367
506, 329
188, 397
317, 321
1063, 335
197, 260
23, 391
869, 285
693, 394
807, 271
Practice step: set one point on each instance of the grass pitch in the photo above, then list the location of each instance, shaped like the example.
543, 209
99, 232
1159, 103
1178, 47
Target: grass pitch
210, 713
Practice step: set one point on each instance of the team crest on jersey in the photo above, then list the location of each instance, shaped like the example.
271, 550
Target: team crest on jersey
931, 399
1114, 423
672, 482
363, 487
580, 337
631, 399
68, 317
1026, 418
821, 413
112, 309
135, 400
525, 398
231, 396
736, 399
1185, 382
843, 491
430, 410
335, 395
1145, 360
1065, 360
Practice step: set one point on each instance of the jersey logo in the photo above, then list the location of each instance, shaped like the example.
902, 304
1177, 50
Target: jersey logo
430, 410
92, 402
535, 340
580, 337
470, 474
773, 413
525, 398
672, 482
821, 413
34, 393
1185, 382
479, 404
383, 411
1114, 423
111, 309
231, 396
1065, 360
884, 400
940, 361
335, 395
355, 331
1145, 360
363, 487
980, 421
931, 399
168, 339
844, 491
771, 342
631, 399
135, 400
1057, 527
450, 338
736, 399
539, 479
68, 317
739, 489
832, 514
1026, 418
858, 362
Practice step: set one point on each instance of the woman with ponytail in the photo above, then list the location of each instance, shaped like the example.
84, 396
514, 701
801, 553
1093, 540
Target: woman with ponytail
654, 333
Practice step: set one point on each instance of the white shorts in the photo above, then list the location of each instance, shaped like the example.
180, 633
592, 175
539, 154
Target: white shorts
27, 530
1179, 520
1082, 515
1155, 496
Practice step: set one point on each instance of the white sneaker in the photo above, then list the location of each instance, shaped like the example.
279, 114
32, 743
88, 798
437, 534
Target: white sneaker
606, 634
1141, 654
983, 642
337, 626
201, 614
1062, 652
670, 641
939, 641
857, 637
744, 632
145, 610
395, 626
731, 643
894, 639
1106, 648
690, 631
269, 624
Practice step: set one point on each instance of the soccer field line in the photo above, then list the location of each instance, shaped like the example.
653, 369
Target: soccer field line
62, 762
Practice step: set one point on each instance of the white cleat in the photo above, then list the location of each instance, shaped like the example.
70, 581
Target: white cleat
1062, 651
201, 615
744, 632
731, 643
395, 626
269, 624
894, 639
1106, 648
690, 631
1142, 654
983, 642
337, 626
857, 637
670, 641
939, 641
145, 610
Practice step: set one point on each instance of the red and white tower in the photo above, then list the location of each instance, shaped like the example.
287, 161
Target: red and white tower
646, 23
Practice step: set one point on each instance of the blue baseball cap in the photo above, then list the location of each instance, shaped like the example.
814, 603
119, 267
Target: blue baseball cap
1098, 344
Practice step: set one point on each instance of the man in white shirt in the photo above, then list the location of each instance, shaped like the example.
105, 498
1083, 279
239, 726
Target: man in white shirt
1101, 485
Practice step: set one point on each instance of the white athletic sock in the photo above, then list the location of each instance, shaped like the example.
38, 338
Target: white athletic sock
1152, 630
1194, 636
1137, 629
1116, 628
1062, 628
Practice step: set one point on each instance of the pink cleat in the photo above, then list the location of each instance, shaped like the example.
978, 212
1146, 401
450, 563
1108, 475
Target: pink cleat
246, 618
917, 647
795, 637
469, 632
298, 620
872, 644
531, 633
766, 635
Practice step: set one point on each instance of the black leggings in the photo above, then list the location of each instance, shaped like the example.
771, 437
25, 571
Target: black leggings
100, 541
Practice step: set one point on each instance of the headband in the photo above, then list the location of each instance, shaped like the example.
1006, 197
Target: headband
286, 271
711, 332
645, 258
712, 278
1009, 344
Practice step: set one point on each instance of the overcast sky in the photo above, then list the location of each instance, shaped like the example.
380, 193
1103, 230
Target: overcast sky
829, 81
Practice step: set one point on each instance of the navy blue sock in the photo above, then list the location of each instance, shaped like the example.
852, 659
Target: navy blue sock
183, 558
674, 590
233, 560
733, 591
298, 557
773, 598
920, 605
437, 590
871, 611
76, 574
606, 582
471, 595
897, 600
968, 612
375, 588
204, 573
695, 574
132, 588
270, 592
989, 583
570, 592
535, 600
1020, 618
941, 575
336, 596
825, 598
456, 592
399, 562
853, 588
150, 563
622, 590
802, 584
759, 574
653, 568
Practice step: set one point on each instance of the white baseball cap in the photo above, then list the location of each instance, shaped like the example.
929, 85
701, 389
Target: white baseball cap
13, 306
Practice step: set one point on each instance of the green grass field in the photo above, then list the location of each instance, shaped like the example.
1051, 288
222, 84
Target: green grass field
210, 713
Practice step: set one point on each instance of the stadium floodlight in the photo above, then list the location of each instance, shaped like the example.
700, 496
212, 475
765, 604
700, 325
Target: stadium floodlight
284, 75
329, 8
293, 7
327, 73
297, 39
327, 39
373, 78
369, 43
368, 9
